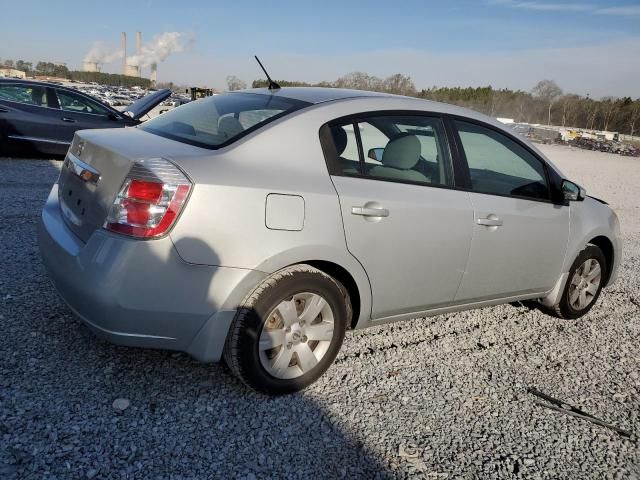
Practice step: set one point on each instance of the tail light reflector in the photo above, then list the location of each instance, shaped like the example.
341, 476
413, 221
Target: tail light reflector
150, 199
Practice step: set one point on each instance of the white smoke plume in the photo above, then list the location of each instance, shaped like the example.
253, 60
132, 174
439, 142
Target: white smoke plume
159, 48
102, 53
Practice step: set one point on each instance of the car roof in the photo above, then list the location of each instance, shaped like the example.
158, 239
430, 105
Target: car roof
386, 101
25, 80
42, 83
315, 95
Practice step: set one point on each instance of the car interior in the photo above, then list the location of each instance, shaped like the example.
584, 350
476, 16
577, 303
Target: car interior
411, 154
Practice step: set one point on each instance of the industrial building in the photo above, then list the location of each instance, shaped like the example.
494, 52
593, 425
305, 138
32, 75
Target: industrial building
129, 67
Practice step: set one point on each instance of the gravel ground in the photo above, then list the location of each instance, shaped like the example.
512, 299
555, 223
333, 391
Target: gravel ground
443, 397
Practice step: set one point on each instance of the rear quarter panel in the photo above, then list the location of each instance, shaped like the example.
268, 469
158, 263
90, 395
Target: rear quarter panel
224, 222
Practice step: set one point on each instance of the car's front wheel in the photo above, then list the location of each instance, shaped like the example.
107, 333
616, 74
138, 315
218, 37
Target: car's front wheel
584, 284
288, 331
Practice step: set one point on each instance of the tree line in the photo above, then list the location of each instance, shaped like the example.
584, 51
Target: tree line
546, 103
58, 70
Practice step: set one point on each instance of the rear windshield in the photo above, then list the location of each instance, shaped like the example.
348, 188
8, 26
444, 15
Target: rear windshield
217, 121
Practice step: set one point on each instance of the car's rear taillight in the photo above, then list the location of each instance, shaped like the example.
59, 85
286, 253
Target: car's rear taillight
150, 199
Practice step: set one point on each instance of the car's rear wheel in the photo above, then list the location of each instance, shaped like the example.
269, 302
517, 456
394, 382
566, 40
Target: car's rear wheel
584, 284
288, 331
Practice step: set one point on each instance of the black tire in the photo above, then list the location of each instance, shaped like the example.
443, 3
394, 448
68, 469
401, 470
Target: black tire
4, 145
564, 309
241, 351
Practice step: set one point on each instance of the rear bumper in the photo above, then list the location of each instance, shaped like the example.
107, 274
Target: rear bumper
141, 293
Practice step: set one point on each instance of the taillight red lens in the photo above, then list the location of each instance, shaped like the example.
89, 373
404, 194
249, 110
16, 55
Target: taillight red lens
148, 209
145, 191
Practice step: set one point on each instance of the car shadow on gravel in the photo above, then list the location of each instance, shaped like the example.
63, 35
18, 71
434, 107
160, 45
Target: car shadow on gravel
177, 418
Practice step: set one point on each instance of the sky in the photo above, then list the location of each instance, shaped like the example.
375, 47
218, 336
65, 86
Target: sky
586, 46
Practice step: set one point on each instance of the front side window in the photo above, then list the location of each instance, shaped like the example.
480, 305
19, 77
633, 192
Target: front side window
216, 121
398, 148
72, 102
499, 165
31, 95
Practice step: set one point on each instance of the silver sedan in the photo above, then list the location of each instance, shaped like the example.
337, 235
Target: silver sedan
257, 226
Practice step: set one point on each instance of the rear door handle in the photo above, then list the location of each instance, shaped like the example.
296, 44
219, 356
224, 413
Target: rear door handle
67, 119
370, 212
4, 110
490, 221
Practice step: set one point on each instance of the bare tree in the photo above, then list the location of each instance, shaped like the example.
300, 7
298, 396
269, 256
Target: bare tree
234, 83
400, 85
360, 81
549, 91
592, 114
610, 107
570, 105
634, 116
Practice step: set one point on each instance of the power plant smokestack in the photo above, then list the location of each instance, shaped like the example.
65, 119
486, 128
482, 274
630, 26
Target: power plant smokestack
153, 76
138, 43
124, 53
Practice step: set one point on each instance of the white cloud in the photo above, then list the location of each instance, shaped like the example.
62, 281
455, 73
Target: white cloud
627, 11
630, 10
544, 6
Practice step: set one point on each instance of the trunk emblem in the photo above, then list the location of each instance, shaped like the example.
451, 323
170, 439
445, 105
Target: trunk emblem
80, 148
83, 170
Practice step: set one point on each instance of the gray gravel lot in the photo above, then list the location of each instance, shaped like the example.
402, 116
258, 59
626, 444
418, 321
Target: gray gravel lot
443, 397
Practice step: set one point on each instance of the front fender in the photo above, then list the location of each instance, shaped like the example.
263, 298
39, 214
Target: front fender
591, 219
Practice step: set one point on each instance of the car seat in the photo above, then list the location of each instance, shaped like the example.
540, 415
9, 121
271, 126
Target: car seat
400, 156
229, 126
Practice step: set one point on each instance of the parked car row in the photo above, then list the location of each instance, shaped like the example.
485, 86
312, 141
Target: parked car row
44, 116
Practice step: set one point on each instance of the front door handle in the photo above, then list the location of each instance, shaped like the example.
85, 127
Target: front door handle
370, 212
67, 119
490, 221
4, 110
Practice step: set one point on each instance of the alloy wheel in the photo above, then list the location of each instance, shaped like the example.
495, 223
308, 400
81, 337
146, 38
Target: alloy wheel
585, 284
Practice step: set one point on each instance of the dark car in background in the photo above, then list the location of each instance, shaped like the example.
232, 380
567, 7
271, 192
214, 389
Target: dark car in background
44, 116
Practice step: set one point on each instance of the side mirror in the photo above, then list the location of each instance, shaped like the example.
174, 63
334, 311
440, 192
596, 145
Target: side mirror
376, 154
572, 192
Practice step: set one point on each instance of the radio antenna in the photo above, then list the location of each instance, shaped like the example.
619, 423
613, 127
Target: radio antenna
272, 85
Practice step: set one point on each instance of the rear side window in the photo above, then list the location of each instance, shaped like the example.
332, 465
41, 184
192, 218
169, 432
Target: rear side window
72, 102
499, 165
31, 95
217, 121
411, 149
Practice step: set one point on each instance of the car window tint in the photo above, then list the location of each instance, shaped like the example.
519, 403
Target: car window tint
344, 139
250, 118
404, 148
72, 102
32, 95
372, 139
219, 120
499, 165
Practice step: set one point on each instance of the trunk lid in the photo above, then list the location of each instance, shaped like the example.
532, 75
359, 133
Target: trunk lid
144, 105
95, 168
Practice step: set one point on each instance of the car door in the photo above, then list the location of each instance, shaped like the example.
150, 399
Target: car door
409, 228
79, 113
519, 236
25, 116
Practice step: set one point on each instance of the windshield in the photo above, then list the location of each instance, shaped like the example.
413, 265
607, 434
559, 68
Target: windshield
217, 121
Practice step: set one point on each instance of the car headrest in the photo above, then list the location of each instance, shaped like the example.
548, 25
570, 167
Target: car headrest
339, 139
402, 152
229, 126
